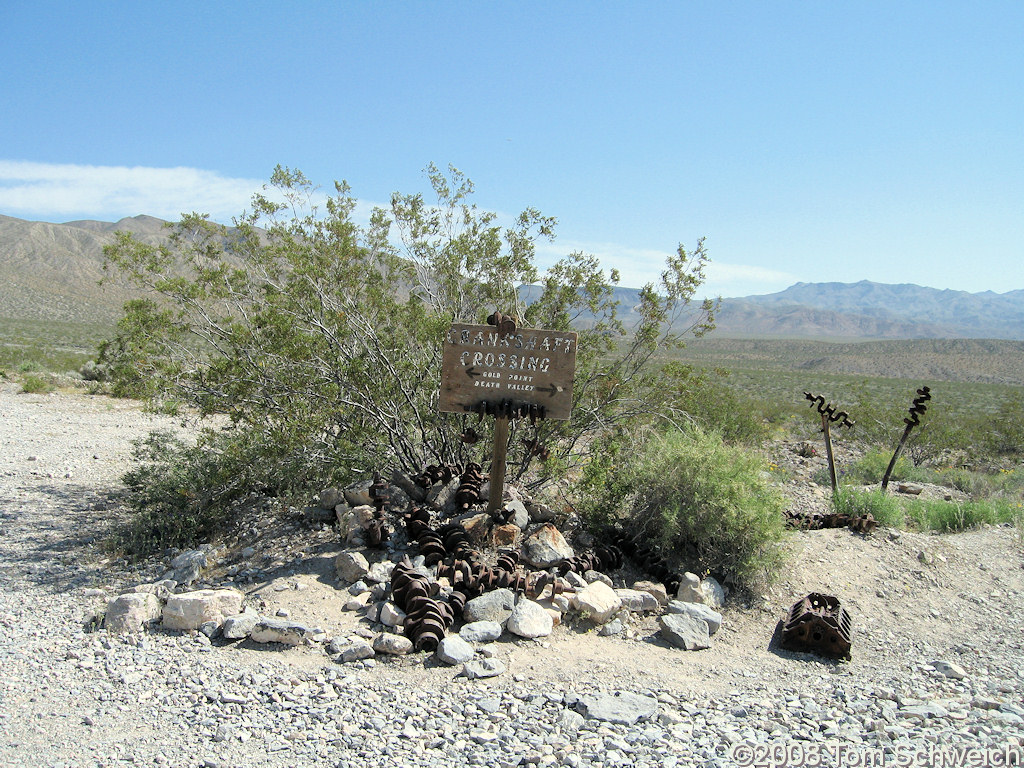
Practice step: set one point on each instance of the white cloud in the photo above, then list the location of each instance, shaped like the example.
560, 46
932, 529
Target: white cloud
53, 191
638, 267
745, 279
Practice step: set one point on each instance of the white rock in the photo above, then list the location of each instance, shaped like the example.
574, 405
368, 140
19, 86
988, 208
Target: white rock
950, 669
495, 605
242, 625
545, 547
358, 651
128, 613
698, 611
351, 566
392, 644
638, 602
613, 627
529, 620
482, 668
713, 592
188, 566
454, 650
190, 610
685, 631
519, 517
689, 589
357, 603
598, 601
654, 588
591, 576
575, 580
380, 572
480, 631
286, 632
391, 615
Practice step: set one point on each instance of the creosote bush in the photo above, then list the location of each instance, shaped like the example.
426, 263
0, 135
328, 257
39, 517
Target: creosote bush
320, 339
704, 503
37, 384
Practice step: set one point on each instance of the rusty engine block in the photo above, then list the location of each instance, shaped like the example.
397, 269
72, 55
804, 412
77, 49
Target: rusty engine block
818, 624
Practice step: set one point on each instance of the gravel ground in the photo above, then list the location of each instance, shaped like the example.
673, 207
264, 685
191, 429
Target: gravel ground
925, 609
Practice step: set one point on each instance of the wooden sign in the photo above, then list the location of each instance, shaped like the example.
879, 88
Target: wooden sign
479, 363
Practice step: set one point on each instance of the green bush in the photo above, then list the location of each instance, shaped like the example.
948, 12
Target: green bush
696, 498
320, 338
704, 396
36, 384
181, 493
1006, 435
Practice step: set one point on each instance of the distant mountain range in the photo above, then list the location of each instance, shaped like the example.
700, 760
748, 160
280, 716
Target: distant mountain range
50, 272
876, 311
862, 311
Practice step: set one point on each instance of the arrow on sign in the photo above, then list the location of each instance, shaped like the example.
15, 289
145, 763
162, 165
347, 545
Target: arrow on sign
472, 372
554, 389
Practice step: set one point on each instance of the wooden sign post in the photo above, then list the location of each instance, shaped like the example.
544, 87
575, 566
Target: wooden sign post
486, 370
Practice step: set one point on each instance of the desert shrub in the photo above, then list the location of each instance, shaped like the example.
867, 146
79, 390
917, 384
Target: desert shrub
885, 508
706, 398
181, 492
694, 496
320, 339
962, 479
1006, 435
93, 371
34, 384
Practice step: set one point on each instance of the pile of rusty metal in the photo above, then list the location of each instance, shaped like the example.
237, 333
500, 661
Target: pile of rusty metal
818, 624
449, 557
817, 520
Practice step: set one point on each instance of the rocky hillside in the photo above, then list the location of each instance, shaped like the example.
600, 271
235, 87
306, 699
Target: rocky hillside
52, 271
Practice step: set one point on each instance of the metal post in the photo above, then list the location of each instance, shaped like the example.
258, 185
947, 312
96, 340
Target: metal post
895, 456
828, 451
498, 463
917, 410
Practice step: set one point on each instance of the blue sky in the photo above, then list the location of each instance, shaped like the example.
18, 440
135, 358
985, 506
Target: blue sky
806, 141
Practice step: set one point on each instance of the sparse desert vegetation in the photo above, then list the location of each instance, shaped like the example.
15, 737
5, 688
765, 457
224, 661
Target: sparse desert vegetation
311, 337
